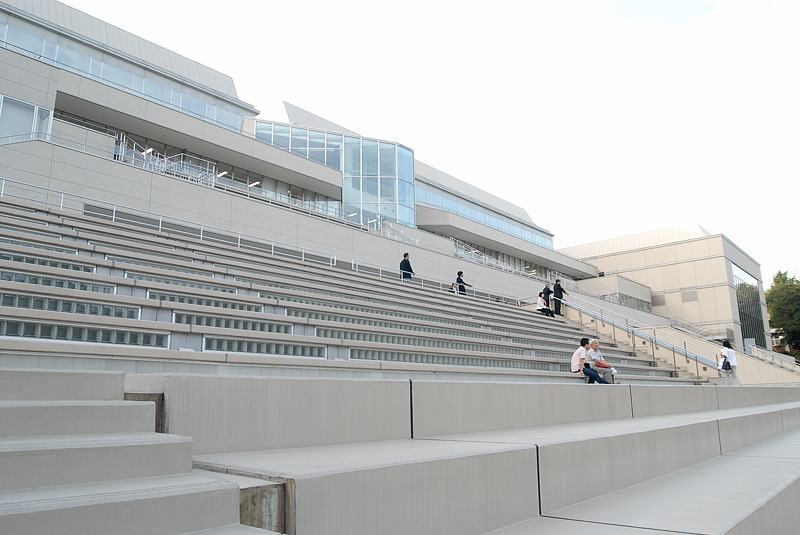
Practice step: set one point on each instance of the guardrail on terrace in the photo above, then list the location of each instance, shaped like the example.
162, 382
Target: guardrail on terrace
778, 359
656, 344
385, 272
173, 226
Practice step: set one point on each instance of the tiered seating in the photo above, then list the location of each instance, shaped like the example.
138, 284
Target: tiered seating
471, 458
75, 458
80, 279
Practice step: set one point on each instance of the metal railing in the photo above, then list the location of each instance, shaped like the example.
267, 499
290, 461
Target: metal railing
657, 345
421, 281
773, 357
172, 226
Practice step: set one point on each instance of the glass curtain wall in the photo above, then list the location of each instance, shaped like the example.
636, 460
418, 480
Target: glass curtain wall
378, 176
749, 301
66, 58
438, 198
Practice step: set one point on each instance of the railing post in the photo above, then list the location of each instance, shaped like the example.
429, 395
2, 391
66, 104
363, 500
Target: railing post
201, 232
160, 222
674, 361
653, 343
696, 363
3, 188
114, 213
61, 206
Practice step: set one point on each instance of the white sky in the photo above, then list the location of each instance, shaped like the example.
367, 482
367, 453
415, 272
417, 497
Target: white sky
601, 118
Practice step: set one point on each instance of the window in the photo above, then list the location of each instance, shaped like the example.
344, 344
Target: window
16, 120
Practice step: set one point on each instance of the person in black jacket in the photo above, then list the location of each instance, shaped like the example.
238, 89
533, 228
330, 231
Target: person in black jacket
558, 293
547, 292
405, 268
462, 286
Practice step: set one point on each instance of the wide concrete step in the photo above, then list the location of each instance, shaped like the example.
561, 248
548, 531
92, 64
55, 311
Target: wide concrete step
234, 529
41, 418
34, 384
28, 462
749, 490
396, 487
429, 485
583, 460
169, 505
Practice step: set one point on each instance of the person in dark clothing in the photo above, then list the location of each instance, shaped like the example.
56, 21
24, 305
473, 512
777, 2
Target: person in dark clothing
547, 292
405, 268
462, 286
558, 293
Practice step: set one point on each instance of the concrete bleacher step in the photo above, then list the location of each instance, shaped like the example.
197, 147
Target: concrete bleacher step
166, 505
234, 529
749, 490
56, 417
20, 384
261, 502
414, 486
27, 462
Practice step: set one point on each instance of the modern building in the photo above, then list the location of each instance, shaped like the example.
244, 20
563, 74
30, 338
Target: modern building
114, 118
694, 276
100, 120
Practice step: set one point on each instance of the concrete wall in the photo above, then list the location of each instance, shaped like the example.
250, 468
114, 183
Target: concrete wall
225, 414
448, 408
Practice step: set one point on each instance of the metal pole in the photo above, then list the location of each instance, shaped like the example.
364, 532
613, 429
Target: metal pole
653, 343
674, 362
696, 364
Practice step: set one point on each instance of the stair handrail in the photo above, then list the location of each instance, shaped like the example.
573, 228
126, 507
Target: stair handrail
773, 357
422, 281
636, 332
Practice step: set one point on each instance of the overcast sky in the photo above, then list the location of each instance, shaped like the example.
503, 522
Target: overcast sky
602, 118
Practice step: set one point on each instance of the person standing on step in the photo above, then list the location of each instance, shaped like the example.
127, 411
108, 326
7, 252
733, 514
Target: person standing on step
596, 361
579, 365
558, 294
729, 364
547, 293
405, 268
462, 286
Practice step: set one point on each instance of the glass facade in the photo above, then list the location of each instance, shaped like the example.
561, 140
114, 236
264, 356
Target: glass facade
749, 301
65, 58
439, 198
378, 176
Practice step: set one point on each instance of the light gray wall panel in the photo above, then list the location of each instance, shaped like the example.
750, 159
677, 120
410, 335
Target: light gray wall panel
226, 414
471, 495
448, 408
648, 401
575, 471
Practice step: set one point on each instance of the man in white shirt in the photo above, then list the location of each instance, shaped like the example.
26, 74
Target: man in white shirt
578, 364
598, 363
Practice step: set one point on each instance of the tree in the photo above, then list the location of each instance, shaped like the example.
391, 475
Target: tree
783, 304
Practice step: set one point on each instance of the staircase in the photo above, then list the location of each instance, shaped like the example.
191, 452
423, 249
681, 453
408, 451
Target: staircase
76, 458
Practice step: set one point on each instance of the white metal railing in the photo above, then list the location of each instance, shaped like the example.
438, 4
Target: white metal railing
658, 339
70, 202
773, 357
428, 282
655, 343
